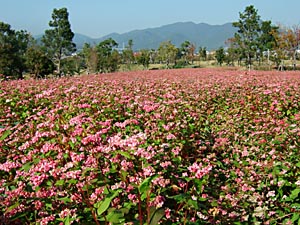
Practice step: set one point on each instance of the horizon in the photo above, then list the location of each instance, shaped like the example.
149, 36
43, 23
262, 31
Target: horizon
163, 25
95, 19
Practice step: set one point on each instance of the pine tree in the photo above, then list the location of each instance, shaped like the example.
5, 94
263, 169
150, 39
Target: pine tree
58, 41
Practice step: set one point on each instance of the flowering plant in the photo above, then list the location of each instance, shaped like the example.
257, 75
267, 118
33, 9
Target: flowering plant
193, 146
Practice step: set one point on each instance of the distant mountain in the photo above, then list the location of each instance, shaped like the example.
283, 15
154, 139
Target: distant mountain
202, 34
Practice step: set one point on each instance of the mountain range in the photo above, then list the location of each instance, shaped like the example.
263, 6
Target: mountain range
201, 34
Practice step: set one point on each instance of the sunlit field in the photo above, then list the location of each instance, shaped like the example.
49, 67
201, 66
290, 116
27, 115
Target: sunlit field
190, 146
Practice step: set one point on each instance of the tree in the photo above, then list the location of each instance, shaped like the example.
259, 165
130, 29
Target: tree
108, 57
288, 41
184, 51
233, 52
220, 56
58, 40
153, 56
127, 54
267, 39
248, 33
90, 57
38, 63
13, 46
7, 49
113, 61
167, 52
203, 53
143, 58
72, 65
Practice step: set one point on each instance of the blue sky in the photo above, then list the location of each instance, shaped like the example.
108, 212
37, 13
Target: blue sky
97, 18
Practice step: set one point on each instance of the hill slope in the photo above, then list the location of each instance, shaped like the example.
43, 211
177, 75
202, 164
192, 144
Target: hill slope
202, 34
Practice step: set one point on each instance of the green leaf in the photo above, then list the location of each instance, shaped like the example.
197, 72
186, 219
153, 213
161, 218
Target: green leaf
295, 217
71, 144
115, 217
179, 198
156, 217
202, 199
214, 203
145, 185
65, 200
124, 175
67, 220
59, 182
199, 184
125, 154
49, 206
26, 167
72, 181
193, 204
5, 135
12, 207
103, 206
36, 160
294, 193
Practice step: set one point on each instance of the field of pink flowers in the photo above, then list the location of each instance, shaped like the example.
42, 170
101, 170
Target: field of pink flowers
192, 146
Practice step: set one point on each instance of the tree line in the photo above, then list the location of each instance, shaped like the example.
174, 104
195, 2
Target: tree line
255, 41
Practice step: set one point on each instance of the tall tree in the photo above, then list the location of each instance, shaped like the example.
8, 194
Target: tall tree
184, 50
267, 39
108, 57
13, 46
128, 55
167, 52
6, 49
248, 33
202, 53
220, 55
143, 58
58, 41
90, 58
288, 41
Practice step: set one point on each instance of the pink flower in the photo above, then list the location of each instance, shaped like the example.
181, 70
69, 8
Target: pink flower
132, 197
168, 213
171, 136
281, 182
267, 92
161, 181
165, 164
176, 151
46, 220
271, 194
245, 153
158, 201
38, 205
148, 171
199, 170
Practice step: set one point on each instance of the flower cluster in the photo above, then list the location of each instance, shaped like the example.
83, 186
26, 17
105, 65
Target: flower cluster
192, 146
